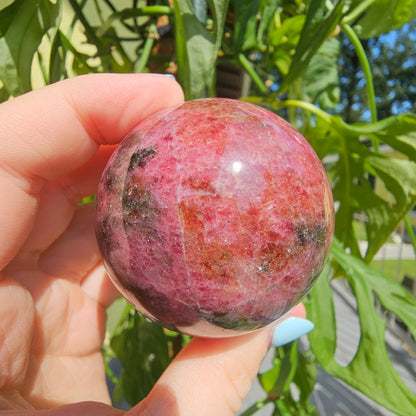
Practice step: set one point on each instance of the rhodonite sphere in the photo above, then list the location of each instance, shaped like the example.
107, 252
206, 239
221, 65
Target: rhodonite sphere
214, 217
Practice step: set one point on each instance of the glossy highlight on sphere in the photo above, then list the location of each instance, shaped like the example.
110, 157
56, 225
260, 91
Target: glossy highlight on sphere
214, 218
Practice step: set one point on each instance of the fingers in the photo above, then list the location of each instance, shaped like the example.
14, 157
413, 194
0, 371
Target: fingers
88, 408
75, 253
75, 256
55, 131
17, 316
210, 376
57, 201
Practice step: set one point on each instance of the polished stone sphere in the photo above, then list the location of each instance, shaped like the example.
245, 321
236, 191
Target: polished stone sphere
214, 218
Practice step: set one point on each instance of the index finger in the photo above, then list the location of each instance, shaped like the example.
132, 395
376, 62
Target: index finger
57, 129
211, 376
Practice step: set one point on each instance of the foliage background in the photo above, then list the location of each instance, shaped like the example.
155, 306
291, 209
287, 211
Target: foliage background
330, 68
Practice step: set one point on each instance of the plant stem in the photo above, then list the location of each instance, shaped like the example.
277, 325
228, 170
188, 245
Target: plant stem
102, 51
350, 18
42, 67
256, 406
74, 20
147, 49
337, 123
110, 5
365, 65
110, 373
307, 106
246, 64
131, 14
362, 57
410, 231
99, 11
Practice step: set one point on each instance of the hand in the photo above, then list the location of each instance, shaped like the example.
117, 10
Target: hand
54, 143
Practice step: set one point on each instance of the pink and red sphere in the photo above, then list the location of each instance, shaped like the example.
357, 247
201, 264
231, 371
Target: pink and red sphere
214, 218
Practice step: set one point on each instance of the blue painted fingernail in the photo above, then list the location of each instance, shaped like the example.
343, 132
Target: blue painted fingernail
290, 329
170, 76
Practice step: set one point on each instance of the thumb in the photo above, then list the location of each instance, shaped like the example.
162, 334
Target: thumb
210, 376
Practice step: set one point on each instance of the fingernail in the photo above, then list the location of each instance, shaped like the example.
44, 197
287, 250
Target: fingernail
170, 76
290, 329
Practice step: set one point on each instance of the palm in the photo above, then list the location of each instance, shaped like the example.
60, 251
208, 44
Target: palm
54, 144
61, 306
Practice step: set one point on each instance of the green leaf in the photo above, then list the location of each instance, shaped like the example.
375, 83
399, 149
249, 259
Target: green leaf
269, 378
305, 379
142, 349
282, 39
399, 178
8, 71
321, 83
130, 13
80, 62
320, 308
197, 46
317, 28
400, 134
4, 94
117, 315
22, 25
355, 162
371, 370
57, 68
268, 9
119, 61
291, 368
383, 16
7, 15
245, 24
277, 380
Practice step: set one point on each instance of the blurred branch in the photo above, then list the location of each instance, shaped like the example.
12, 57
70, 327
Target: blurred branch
147, 48
365, 64
132, 13
91, 35
246, 64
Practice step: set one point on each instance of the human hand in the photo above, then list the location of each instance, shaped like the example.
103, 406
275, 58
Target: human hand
54, 144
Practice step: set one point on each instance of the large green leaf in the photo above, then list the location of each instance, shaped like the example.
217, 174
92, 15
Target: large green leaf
397, 175
245, 24
142, 348
80, 64
129, 13
57, 70
277, 380
291, 367
4, 94
317, 28
7, 15
320, 309
197, 46
268, 10
22, 27
371, 370
399, 178
355, 162
320, 81
122, 64
400, 134
282, 40
385, 15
